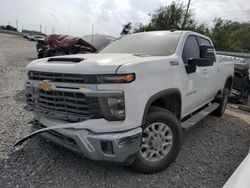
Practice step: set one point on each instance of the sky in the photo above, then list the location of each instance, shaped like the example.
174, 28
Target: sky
76, 17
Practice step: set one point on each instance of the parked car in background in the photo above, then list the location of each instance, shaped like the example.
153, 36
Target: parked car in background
25, 35
29, 37
35, 37
38, 38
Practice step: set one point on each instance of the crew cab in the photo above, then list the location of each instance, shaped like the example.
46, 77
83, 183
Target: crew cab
130, 102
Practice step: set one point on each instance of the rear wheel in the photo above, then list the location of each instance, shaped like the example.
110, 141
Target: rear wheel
161, 142
223, 103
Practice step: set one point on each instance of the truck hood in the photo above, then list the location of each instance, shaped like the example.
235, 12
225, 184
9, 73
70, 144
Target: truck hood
90, 64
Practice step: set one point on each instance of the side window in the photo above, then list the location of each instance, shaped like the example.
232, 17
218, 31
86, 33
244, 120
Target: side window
191, 49
204, 41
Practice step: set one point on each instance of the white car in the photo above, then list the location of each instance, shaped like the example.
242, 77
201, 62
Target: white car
131, 102
35, 37
38, 37
240, 178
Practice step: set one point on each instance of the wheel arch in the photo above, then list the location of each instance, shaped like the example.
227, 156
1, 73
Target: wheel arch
163, 96
229, 82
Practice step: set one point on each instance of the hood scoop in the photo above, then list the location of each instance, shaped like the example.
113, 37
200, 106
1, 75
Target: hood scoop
65, 59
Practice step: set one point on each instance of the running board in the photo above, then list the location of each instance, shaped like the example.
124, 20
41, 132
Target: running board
199, 116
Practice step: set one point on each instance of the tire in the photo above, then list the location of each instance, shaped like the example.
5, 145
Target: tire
222, 103
163, 146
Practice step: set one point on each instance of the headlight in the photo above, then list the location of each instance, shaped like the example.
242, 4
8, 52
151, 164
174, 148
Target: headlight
116, 78
113, 108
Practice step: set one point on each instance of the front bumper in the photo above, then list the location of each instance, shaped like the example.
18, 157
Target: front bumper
118, 147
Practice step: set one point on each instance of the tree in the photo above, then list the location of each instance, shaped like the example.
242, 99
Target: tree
239, 40
169, 17
220, 33
225, 34
202, 29
231, 36
126, 29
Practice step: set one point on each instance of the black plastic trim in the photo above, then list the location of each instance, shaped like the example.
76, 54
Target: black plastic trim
75, 60
157, 96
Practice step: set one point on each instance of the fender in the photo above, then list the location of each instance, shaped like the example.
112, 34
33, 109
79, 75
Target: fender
229, 82
157, 96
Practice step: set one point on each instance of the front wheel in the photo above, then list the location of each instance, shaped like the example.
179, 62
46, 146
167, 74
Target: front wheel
161, 142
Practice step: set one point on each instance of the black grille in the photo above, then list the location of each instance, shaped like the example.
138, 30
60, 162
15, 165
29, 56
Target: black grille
65, 105
63, 77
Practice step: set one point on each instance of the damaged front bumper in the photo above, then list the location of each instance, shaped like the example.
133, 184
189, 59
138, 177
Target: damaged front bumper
118, 147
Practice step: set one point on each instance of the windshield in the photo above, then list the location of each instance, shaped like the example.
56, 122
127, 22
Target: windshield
160, 43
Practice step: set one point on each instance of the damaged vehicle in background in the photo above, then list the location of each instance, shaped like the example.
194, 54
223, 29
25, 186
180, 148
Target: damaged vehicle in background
241, 83
54, 45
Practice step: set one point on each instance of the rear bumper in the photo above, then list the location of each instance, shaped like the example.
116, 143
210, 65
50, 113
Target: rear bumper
118, 147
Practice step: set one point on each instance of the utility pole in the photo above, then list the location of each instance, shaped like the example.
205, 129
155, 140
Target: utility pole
45, 30
92, 34
17, 25
41, 28
185, 18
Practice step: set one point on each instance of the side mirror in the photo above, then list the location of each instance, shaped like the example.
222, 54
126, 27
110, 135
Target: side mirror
190, 67
201, 62
207, 51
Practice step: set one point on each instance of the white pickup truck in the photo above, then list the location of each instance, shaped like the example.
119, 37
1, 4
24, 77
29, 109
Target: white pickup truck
131, 102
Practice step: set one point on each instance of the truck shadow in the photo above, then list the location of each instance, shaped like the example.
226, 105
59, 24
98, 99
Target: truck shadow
211, 151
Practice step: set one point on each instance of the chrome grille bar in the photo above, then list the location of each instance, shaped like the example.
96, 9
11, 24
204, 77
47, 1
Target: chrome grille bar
62, 77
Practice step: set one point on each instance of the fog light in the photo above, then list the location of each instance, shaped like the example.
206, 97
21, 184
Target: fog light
107, 147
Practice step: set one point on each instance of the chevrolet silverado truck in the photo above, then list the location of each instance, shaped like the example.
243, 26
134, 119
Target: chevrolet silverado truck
130, 102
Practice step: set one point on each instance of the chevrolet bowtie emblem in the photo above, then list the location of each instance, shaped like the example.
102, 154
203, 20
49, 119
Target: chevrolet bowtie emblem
45, 85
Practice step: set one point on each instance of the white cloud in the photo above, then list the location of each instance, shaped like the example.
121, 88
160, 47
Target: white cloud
206, 11
77, 16
146, 6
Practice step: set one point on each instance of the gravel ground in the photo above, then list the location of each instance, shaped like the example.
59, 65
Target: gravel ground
211, 151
